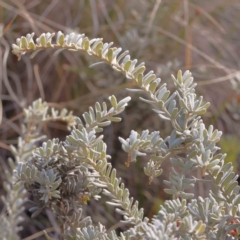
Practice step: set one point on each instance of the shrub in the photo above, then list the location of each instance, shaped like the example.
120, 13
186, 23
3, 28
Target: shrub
64, 175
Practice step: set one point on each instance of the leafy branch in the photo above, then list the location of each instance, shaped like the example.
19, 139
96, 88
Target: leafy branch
190, 146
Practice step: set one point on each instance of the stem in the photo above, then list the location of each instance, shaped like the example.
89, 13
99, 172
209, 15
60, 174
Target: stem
106, 179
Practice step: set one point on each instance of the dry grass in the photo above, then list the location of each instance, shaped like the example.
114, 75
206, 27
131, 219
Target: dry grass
202, 36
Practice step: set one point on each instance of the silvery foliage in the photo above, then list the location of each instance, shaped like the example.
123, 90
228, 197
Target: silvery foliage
13, 201
65, 175
190, 147
15, 196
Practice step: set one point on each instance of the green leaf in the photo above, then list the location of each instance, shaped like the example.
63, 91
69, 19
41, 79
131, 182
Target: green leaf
139, 79
113, 101
127, 65
179, 77
24, 43
110, 55
85, 44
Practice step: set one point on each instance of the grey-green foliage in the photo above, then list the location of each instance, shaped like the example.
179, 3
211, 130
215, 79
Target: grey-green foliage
65, 175
78, 168
15, 197
13, 201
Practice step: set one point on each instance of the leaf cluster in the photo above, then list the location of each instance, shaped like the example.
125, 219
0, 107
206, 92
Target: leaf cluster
65, 175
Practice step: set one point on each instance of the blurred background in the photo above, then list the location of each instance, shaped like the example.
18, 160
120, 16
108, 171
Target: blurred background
168, 35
